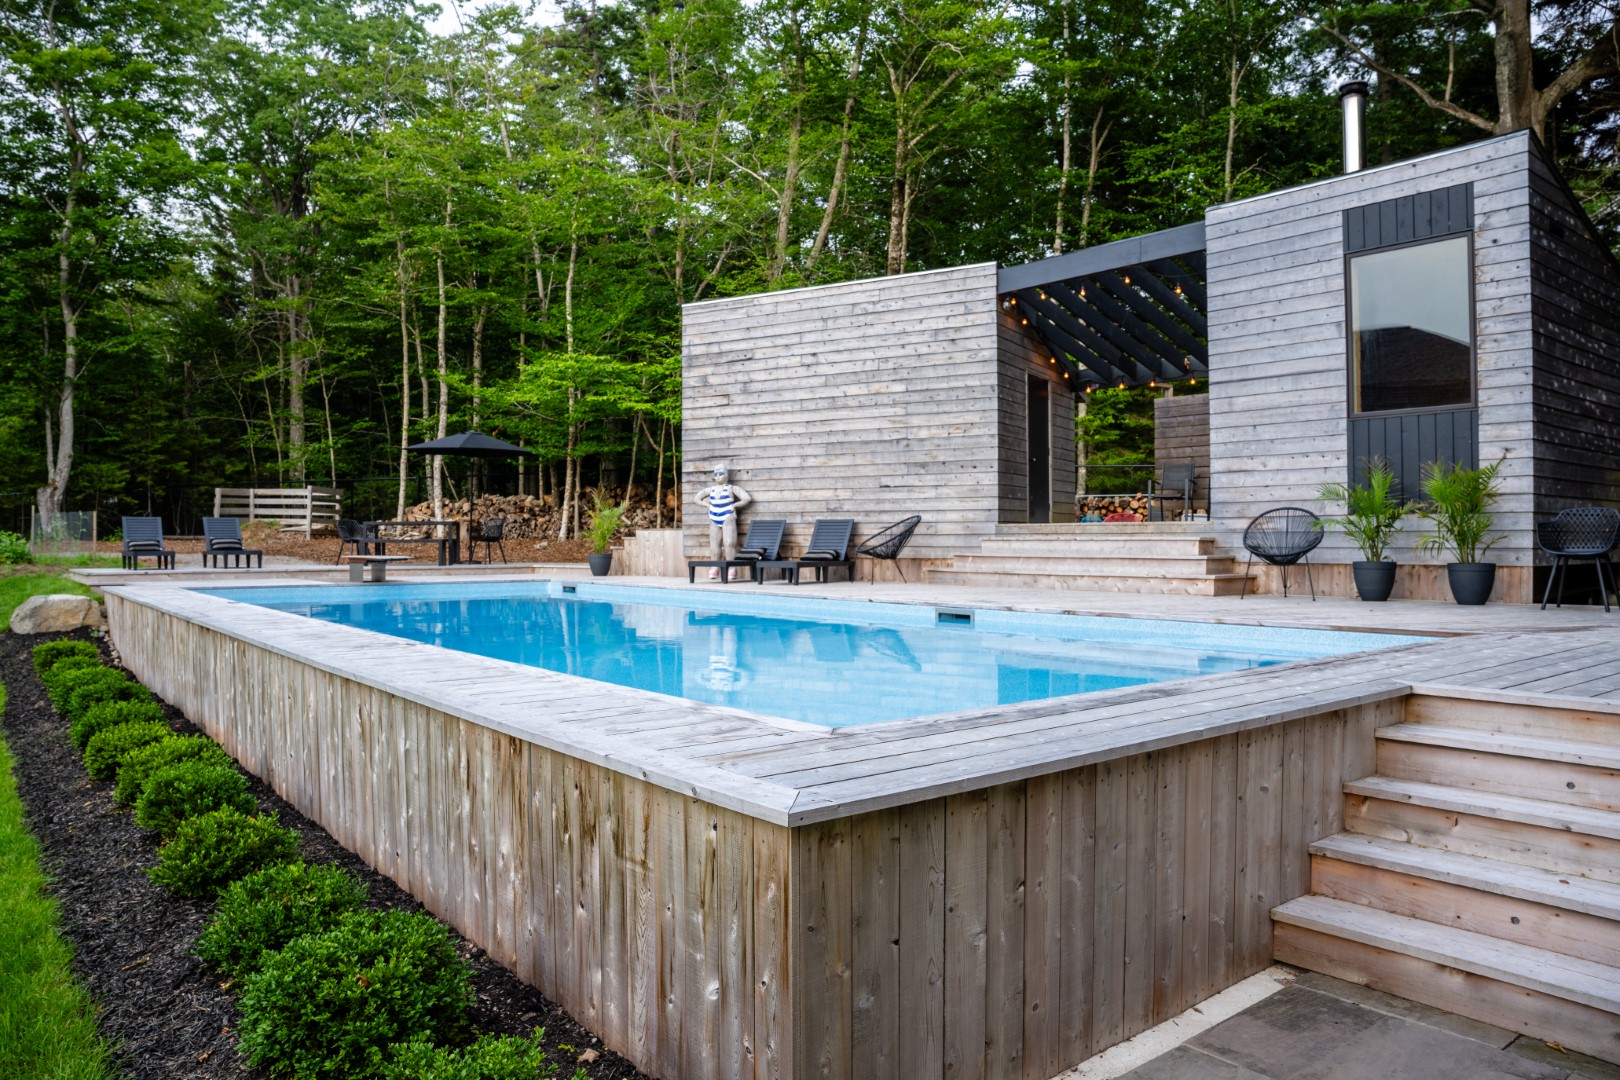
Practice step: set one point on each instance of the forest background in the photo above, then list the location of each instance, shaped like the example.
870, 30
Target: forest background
271, 242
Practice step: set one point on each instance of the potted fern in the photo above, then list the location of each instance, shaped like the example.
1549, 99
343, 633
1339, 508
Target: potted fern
605, 520
1372, 517
1457, 502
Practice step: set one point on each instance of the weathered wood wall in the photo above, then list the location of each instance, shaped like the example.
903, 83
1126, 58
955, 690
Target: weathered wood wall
1278, 345
651, 553
1022, 356
1181, 433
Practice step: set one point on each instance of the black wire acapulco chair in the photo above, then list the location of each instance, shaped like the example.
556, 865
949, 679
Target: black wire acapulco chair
890, 542
1282, 537
1581, 532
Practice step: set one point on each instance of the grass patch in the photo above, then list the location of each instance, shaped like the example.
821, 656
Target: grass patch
17, 587
47, 1021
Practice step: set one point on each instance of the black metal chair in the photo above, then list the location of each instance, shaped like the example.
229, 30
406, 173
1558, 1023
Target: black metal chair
1175, 478
1282, 537
488, 533
143, 538
1581, 532
761, 542
353, 534
222, 538
888, 543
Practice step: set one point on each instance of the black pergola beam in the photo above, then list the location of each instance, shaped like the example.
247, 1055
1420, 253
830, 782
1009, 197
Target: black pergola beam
1147, 309
1129, 371
1191, 279
1134, 251
1115, 322
1064, 343
1179, 306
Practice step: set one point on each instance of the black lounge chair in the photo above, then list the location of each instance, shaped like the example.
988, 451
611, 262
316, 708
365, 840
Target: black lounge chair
353, 534
143, 538
890, 542
762, 542
222, 539
1282, 537
828, 549
1581, 532
1176, 479
490, 534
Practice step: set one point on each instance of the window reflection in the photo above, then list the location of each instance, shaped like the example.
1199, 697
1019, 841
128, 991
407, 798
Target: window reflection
1411, 328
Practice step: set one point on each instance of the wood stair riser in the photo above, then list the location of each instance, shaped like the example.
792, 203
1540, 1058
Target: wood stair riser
1195, 566
1528, 845
1034, 548
1574, 933
1211, 586
1551, 781
1574, 724
1572, 1025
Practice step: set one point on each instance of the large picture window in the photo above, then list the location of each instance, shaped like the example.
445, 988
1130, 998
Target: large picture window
1411, 327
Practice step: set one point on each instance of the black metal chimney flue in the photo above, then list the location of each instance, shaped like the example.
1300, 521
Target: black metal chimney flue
1353, 100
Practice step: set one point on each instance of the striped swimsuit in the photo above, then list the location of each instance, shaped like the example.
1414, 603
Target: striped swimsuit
720, 508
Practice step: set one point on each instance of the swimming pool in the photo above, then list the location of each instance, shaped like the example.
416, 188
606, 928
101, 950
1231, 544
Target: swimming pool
830, 663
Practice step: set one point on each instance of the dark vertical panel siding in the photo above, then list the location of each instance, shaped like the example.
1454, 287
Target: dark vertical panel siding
1426, 214
1408, 440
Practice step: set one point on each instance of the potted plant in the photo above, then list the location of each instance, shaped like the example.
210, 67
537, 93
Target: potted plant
1457, 502
1371, 519
605, 520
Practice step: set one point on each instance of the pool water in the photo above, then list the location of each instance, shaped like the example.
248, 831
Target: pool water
825, 662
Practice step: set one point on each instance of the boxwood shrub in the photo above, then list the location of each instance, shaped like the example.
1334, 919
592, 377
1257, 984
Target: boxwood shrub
212, 850
46, 655
92, 686
265, 910
108, 714
137, 768
334, 1004
60, 677
492, 1057
188, 788
104, 754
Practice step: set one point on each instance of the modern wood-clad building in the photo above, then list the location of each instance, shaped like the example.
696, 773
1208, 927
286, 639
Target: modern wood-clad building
1458, 306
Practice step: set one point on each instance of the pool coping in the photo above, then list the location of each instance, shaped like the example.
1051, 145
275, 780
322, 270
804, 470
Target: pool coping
796, 774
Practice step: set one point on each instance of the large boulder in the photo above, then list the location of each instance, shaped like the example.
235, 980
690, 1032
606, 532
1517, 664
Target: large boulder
54, 613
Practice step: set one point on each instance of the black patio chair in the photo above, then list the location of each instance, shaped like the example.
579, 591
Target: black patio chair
1175, 478
827, 550
1282, 537
1581, 532
143, 538
490, 534
353, 534
222, 539
761, 542
888, 543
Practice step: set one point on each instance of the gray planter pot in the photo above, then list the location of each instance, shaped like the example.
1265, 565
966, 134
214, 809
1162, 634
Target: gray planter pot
1471, 582
1374, 580
600, 562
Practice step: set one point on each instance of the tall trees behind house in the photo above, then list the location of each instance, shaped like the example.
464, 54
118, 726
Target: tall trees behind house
277, 242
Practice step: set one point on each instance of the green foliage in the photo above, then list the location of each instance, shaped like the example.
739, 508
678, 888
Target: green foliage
106, 751
491, 1057
605, 519
262, 912
189, 788
46, 655
333, 1004
1457, 502
1372, 512
139, 765
1116, 430
109, 714
211, 850
88, 688
59, 679
14, 549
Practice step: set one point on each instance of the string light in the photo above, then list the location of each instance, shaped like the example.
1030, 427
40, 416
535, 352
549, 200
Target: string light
1023, 322
1192, 382
1127, 279
1052, 359
1178, 289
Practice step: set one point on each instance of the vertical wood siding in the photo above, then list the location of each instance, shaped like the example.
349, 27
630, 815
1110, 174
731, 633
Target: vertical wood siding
1181, 433
1022, 356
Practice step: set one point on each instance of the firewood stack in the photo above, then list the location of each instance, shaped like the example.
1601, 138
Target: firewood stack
535, 517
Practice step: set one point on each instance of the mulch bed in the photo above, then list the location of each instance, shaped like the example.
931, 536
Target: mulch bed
168, 1016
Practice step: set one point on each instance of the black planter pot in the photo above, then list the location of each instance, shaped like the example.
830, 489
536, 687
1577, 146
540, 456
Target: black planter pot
600, 562
1471, 582
1374, 580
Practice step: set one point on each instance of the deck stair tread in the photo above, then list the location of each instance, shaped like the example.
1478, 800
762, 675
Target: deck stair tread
1564, 817
1512, 744
1569, 978
1599, 898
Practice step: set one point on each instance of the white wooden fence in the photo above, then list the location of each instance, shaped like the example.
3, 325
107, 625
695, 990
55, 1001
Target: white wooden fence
306, 508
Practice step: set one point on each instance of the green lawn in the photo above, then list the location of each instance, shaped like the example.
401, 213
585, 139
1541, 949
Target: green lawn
32, 580
47, 1025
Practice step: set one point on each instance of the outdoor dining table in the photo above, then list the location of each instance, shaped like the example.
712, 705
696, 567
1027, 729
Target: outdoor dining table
449, 543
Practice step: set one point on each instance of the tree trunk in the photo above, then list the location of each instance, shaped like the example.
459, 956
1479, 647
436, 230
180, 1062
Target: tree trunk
404, 389
444, 398
790, 173
899, 201
841, 167
1096, 139
1068, 131
1515, 85
59, 465
1234, 79
297, 376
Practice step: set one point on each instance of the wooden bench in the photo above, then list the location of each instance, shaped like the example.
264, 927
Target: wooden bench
377, 563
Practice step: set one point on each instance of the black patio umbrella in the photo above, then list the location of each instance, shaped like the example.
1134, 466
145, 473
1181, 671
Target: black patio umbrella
470, 444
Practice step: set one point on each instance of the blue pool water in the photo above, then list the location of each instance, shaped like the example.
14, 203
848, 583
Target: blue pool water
827, 662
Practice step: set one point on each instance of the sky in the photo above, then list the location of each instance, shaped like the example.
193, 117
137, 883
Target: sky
546, 13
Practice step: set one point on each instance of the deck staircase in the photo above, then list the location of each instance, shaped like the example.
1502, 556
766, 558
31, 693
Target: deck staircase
1159, 557
1479, 871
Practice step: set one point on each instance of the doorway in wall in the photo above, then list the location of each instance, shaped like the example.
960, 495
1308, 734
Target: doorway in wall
1040, 451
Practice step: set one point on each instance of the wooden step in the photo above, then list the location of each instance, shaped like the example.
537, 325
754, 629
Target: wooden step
1194, 547
1573, 840
1570, 915
1205, 585
1075, 563
1509, 763
1593, 722
1569, 1000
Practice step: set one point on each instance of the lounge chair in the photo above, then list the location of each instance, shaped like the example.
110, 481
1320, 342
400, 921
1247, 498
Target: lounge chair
1177, 479
762, 541
222, 538
1581, 532
1282, 537
143, 538
827, 550
888, 543
489, 534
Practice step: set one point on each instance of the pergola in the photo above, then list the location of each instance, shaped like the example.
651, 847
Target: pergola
1127, 313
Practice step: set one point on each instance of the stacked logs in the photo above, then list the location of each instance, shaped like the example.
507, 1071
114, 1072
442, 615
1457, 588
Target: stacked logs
536, 517
1101, 506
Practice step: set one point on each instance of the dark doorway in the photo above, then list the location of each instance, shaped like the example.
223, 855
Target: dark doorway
1040, 451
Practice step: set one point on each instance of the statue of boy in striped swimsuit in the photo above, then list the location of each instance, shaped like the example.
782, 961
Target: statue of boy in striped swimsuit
723, 500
